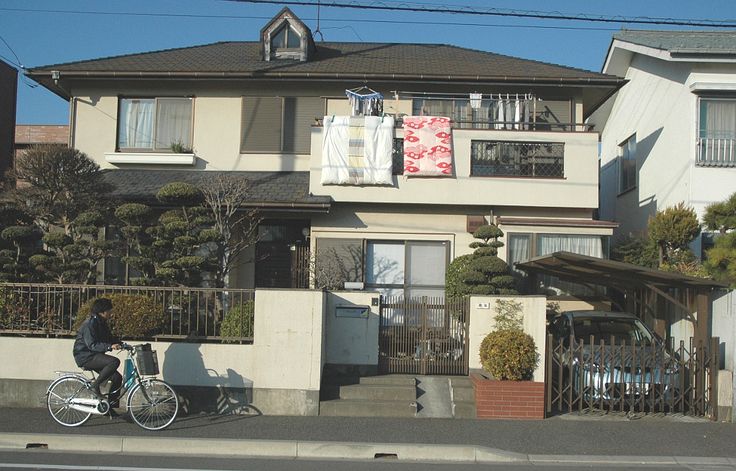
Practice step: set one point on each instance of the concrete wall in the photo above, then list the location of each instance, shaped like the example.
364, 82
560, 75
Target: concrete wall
279, 374
482, 313
351, 340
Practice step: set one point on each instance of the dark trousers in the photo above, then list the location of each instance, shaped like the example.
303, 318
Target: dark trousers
106, 367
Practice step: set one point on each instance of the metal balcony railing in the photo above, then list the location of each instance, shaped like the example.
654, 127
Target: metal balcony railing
714, 152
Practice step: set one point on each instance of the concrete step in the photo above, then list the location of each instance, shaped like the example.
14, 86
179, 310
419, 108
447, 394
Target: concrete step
463, 394
461, 382
397, 380
378, 392
464, 410
362, 408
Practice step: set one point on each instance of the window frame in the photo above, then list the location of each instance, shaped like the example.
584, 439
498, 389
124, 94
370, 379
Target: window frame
154, 124
289, 30
405, 287
625, 155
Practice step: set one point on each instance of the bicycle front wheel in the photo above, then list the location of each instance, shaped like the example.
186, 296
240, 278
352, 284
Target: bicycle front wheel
66, 396
153, 404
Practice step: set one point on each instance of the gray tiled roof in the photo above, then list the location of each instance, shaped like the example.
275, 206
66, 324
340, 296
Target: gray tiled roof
707, 42
280, 189
339, 60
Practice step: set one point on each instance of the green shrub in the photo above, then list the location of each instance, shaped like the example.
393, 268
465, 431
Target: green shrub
134, 316
238, 322
509, 355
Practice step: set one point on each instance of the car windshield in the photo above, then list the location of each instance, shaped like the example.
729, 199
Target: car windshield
622, 330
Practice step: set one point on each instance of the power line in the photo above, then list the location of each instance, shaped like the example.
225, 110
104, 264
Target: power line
517, 14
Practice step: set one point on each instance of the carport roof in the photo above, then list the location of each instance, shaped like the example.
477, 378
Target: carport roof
581, 268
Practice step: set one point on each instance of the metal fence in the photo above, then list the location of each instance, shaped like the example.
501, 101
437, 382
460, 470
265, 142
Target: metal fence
716, 152
423, 336
195, 314
615, 376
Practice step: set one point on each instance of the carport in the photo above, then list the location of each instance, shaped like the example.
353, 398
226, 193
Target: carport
658, 297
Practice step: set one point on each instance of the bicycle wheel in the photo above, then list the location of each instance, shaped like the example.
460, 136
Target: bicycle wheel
153, 404
59, 400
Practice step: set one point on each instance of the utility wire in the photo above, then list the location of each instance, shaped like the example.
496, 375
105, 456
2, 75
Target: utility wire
492, 12
18, 65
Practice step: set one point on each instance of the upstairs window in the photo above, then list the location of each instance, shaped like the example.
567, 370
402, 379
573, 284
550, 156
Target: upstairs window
155, 124
627, 164
285, 38
717, 132
517, 159
279, 124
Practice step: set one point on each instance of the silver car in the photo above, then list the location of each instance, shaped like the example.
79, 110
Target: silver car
611, 356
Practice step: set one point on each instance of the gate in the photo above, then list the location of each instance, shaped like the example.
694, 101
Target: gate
633, 378
426, 336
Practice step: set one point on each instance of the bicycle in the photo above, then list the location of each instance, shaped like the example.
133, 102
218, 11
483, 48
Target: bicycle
151, 402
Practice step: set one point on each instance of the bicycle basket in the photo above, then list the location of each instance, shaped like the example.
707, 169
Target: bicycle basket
146, 359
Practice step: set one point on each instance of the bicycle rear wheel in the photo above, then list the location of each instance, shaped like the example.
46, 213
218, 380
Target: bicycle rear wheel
59, 399
153, 404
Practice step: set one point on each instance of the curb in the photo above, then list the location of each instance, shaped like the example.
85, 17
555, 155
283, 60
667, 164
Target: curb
293, 449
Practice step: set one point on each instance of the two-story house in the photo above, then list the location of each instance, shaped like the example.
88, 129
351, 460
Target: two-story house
669, 135
336, 170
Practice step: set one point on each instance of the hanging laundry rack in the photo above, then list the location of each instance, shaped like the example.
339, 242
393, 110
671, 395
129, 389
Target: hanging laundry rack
399, 94
365, 101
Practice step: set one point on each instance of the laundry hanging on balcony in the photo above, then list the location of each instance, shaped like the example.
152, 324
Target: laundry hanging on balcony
427, 146
357, 150
510, 111
365, 101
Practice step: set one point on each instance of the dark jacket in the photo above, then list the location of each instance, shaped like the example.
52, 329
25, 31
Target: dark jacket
93, 337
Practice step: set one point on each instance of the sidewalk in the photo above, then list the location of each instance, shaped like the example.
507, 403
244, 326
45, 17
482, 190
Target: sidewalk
568, 438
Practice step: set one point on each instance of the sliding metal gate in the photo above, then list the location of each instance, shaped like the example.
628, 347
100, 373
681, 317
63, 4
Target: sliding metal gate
615, 376
426, 336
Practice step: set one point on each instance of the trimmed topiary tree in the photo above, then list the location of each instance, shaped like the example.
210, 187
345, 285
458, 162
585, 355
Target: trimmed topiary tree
134, 316
508, 353
481, 272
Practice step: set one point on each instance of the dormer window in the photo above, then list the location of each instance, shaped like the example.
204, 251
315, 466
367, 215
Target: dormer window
285, 38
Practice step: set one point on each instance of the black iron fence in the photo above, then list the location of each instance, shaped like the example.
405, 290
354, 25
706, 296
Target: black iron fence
192, 314
647, 378
423, 336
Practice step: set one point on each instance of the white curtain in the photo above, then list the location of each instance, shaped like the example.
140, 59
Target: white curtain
519, 248
173, 122
720, 119
583, 244
136, 119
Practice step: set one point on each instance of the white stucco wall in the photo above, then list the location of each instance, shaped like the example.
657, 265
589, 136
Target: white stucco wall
482, 313
660, 106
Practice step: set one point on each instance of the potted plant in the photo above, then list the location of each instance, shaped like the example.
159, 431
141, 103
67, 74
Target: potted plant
509, 357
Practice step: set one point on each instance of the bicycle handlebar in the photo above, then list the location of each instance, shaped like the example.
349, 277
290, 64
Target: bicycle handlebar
126, 346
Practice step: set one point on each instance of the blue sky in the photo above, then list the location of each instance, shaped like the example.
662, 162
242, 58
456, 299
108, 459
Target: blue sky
41, 38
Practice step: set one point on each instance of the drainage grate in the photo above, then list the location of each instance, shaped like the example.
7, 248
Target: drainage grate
383, 456
45, 446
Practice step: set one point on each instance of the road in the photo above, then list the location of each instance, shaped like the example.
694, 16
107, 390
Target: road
42, 461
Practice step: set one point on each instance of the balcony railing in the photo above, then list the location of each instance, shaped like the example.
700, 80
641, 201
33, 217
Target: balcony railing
188, 313
517, 159
714, 152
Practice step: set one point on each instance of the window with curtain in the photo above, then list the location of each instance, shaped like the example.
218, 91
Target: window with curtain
155, 124
717, 132
627, 164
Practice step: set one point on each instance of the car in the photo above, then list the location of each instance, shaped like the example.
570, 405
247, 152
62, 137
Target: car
614, 356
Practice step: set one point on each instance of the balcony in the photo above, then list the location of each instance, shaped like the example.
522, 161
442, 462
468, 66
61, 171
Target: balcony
716, 152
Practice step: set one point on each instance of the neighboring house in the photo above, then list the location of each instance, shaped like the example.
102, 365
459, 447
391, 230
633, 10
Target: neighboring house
520, 153
29, 135
669, 135
8, 97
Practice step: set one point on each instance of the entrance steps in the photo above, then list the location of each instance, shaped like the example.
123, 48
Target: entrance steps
397, 396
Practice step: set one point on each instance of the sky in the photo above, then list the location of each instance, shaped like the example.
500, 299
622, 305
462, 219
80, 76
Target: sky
42, 32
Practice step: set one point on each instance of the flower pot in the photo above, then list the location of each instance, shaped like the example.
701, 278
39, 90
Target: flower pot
495, 399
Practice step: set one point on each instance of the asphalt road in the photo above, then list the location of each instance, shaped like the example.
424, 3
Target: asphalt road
616, 436
40, 460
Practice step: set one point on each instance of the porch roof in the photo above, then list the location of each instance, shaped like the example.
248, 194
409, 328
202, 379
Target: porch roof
268, 190
587, 270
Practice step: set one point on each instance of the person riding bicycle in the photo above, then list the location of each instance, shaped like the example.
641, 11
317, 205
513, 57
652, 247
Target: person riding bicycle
93, 340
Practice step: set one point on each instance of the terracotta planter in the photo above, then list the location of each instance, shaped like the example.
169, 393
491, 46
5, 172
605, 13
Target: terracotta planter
507, 399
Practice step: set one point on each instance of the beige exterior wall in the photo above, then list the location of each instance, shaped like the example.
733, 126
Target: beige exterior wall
578, 189
482, 313
285, 359
351, 340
